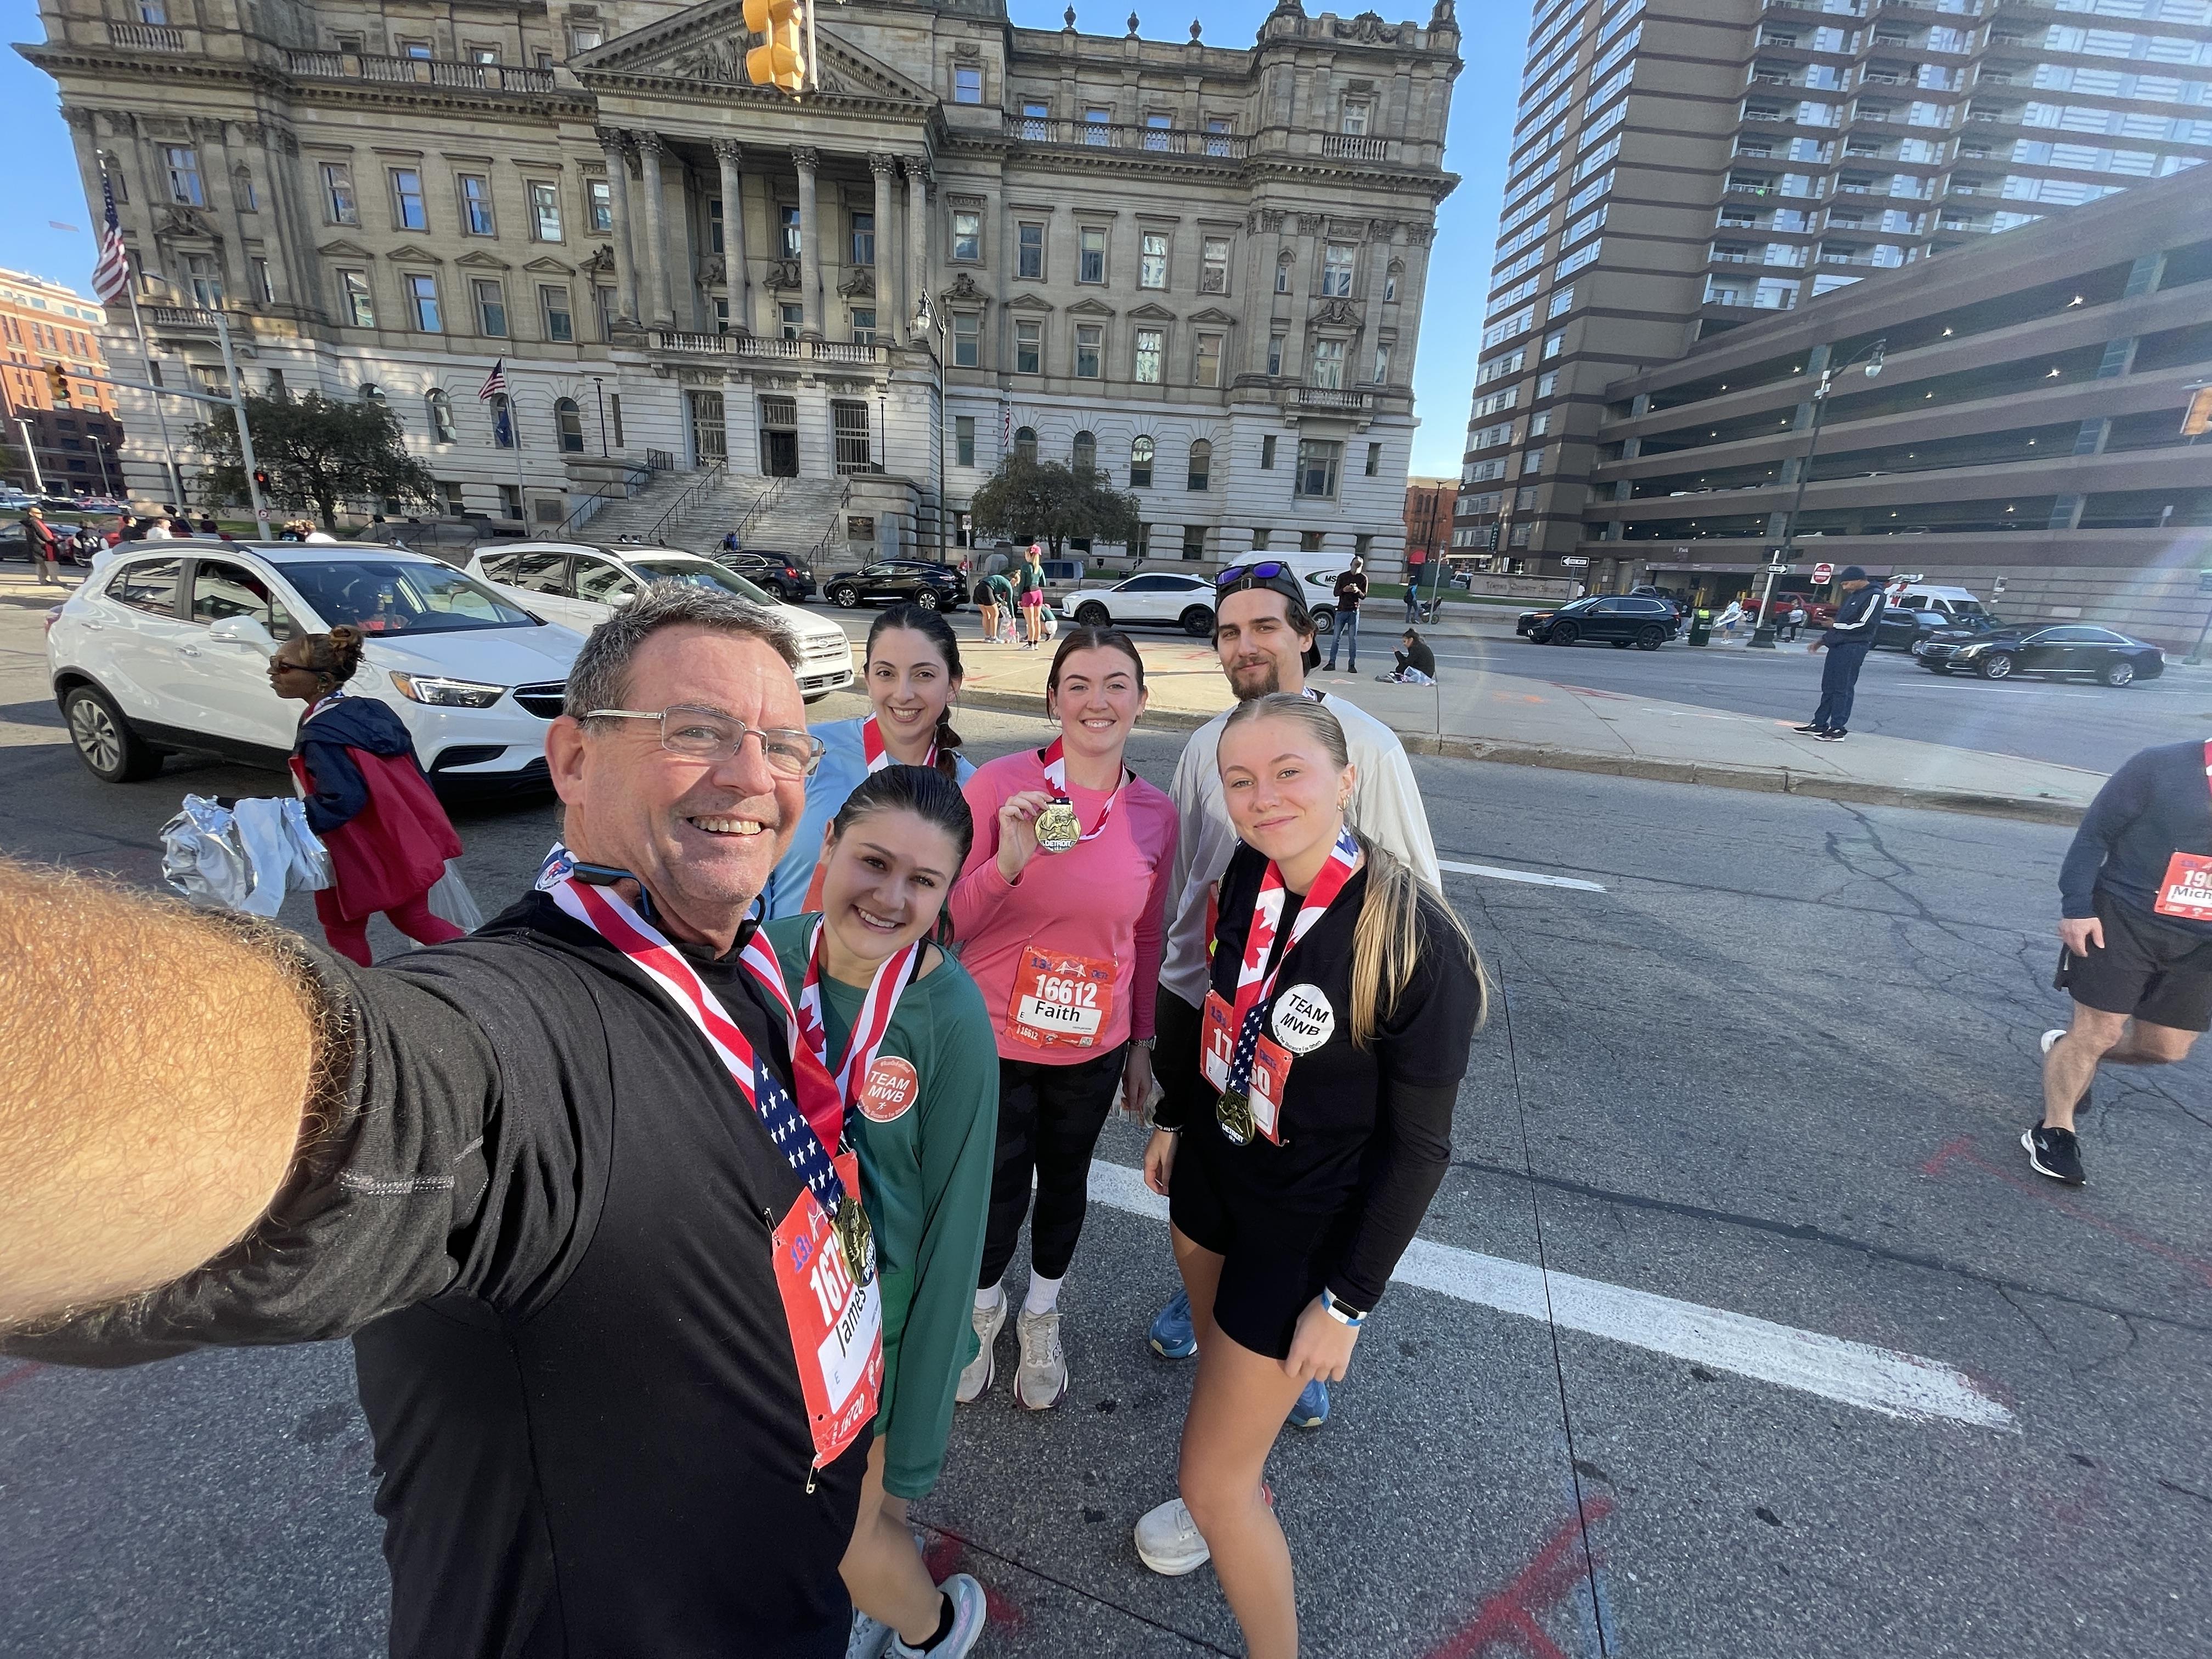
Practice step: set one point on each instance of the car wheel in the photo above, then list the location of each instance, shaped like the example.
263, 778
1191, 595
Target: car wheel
104, 739
926, 598
1197, 622
844, 597
1620, 645
1651, 638
1093, 615
1324, 619
1995, 666
2117, 674
1563, 633
1918, 647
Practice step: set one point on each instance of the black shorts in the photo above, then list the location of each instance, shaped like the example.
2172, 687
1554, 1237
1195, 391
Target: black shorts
1273, 1264
2147, 969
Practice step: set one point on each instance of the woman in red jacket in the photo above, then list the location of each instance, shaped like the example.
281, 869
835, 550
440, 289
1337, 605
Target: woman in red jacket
366, 796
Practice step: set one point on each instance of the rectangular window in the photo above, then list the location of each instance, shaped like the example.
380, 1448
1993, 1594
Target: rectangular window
153, 11
1030, 252
793, 319
354, 299
482, 54
1098, 125
864, 326
1562, 301
1382, 365
338, 207
582, 36
510, 501
206, 279
264, 290
1317, 464
1157, 124
1206, 366
491, 308
602, 196
476, 205
407, 200
1336, 270
546, 210
864, 239
1150, 342
1090, 348
1213, 272
183, 163
1091, 267
249, 198
1267, 454
715, 222
422, 294
1037, 121
788, 218
964, 440
1216, 135
1553, 343
1374, 466
1355, 117
1029, 348
1547, 383
967, 85
968, 236
417, 49
1329, 364
1152, 260
1275, 344
603, 307
967, 340
553, 303
1283, 274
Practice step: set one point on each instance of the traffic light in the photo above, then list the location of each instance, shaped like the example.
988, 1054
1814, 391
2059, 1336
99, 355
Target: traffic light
261, 479
57, 385
784, 57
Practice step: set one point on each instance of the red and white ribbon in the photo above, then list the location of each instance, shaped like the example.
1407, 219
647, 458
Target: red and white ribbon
1252, 991
1055, 776
872, 1024
872, 745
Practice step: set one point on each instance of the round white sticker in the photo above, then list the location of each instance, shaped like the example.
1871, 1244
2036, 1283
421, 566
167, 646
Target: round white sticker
1304, 1020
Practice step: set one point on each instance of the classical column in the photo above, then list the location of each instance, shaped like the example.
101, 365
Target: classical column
810, 249
740, 275
917, 239
612, 147
658, 302
893, 309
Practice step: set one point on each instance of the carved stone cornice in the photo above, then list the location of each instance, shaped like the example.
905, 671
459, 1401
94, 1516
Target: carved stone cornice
861, 282
782, 276
1381, 230
1420, 236
1336, 312
81, 120
1312, 224
649, 142
916, 168
613, 140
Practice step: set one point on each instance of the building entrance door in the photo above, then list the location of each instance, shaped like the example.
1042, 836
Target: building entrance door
709, 438
779, 437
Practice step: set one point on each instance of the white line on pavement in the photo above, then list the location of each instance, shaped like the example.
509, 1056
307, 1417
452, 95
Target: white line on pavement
1528, 876
1882, 1380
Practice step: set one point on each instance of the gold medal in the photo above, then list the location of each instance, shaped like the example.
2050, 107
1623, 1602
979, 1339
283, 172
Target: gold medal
1058, 828
855, 1239
1234, 1113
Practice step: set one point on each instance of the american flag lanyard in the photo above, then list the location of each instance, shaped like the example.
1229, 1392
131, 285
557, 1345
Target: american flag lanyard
1055, 776
872, 745
1253, 991
892, 976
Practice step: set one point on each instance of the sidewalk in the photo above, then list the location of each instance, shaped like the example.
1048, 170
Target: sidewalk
1479, 715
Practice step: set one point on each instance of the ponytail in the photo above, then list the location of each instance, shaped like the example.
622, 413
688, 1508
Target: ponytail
932, 627
1386, 941
948, 745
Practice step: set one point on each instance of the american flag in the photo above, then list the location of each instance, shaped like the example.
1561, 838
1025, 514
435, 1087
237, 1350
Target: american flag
494, 383
111, 277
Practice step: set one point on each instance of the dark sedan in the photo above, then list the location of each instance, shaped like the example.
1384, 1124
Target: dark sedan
2069, 649
1908, 630
1619, 620
783, 577
897, 581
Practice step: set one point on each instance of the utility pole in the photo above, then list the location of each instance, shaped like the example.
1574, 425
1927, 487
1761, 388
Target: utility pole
1762, 636
245, 438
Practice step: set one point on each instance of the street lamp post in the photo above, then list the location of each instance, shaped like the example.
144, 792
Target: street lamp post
600, 392
1763, 636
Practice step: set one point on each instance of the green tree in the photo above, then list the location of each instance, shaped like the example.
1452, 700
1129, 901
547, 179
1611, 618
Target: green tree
317, 452
1043, 501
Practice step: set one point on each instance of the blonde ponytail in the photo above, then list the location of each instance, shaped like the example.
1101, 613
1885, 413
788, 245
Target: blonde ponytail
1386, 945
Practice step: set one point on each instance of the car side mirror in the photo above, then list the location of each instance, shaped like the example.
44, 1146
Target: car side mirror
243, 630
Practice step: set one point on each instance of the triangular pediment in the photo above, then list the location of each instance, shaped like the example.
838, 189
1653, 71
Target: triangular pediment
342, 249
408, 254
1212, 314
480, 260
1090, 308
1152, 313
706, 45
550, 266
1029, 302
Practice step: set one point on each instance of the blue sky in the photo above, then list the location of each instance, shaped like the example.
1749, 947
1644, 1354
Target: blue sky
46, 193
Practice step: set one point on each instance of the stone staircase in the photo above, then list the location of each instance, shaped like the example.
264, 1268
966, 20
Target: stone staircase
798, 515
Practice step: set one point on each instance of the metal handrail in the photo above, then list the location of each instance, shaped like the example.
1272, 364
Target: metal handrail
820, 551
578, 514
708, 482
762, 502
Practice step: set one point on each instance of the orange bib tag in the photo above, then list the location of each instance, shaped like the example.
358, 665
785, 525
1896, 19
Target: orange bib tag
836, 1326
1059, 1001
1271, 1065
2186, 891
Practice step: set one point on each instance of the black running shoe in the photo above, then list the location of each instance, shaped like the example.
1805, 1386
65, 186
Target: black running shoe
1830, 736
2054, 1152
1815, 730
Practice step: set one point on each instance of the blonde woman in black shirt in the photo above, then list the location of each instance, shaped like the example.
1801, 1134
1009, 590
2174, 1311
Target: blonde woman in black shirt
1304, 1132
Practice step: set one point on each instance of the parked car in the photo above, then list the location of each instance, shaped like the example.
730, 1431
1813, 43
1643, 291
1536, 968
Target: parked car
1619, 620
1953, 605
166, 648
1157, 595
774, 573
2066, 649
1908, 630
582, 584
924, 582
450, 538
1819, 613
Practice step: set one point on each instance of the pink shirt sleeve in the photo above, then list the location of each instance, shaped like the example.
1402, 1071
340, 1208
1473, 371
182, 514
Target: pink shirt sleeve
1150, 941
980, 888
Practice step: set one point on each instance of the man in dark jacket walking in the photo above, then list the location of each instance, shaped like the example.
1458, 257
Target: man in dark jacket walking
1847, 642
1351, 589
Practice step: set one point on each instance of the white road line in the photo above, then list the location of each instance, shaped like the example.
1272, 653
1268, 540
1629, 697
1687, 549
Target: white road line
1903, 1385
1529, 876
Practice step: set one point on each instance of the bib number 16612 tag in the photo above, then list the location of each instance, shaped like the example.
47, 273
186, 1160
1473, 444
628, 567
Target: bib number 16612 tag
1060, 1000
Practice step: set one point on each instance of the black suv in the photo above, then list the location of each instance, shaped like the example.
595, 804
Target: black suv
784, 577
898, 581
1623, 620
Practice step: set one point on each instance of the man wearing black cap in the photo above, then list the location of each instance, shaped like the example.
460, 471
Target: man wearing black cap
1847, 642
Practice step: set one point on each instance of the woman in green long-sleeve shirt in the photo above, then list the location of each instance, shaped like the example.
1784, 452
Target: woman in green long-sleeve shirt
902, 1029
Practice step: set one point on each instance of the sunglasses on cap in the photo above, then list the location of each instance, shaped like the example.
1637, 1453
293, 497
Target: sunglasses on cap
1266, 570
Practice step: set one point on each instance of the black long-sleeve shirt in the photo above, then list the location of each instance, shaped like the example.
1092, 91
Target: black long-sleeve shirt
2158, 804
1857, 618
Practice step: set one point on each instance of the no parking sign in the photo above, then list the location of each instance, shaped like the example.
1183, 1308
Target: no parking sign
1823, 573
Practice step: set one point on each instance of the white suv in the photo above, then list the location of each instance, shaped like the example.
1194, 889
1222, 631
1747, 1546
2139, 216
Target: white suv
166, 646
583, 584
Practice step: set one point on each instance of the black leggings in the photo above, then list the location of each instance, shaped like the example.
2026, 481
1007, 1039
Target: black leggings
1049, 1117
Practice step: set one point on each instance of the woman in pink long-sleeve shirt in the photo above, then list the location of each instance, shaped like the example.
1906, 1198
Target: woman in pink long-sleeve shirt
1065, 948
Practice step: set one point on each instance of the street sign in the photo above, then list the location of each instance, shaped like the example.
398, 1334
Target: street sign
1573, 564
1823, 573
1777, 569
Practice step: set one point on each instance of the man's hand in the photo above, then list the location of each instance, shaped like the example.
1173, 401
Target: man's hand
1814, 647
2082, 934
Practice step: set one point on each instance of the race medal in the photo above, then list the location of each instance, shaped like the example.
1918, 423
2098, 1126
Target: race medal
1233, 1112
1057, 828
2186, 891
856, 1239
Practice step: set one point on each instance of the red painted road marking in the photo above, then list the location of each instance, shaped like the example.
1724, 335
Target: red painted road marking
21, 1374
1510, 1616
1961, 1150
946, 1557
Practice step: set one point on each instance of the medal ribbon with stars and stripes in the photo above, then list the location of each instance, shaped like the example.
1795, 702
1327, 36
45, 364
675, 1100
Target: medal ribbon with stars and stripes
1253, 991
891, 978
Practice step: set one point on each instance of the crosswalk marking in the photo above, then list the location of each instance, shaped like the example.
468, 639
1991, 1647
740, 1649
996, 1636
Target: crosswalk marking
1533, 877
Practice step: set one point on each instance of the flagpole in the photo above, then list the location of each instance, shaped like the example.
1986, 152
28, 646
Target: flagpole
145, 352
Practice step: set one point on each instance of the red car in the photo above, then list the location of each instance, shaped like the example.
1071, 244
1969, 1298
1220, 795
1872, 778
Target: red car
1819, 613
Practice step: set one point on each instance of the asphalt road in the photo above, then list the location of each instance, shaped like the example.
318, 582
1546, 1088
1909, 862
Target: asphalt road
1768, 1062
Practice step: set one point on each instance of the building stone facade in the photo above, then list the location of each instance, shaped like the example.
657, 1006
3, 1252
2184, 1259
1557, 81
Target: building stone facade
1198, 267
77, 449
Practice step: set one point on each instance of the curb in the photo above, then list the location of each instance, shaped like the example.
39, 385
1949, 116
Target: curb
1757, 779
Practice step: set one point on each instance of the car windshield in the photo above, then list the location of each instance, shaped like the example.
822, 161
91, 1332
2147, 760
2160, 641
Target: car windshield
700, 573
381, 597
1579, 604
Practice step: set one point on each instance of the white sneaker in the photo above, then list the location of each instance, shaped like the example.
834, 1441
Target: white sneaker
2050, 1037
968, 1612
975, 1378
869, 1638
1169, 1541
1041, 1381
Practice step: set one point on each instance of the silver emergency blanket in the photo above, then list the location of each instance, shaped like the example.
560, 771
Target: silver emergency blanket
244, 858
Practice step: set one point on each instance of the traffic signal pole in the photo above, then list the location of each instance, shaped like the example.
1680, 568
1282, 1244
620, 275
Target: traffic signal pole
160, 421
238, 413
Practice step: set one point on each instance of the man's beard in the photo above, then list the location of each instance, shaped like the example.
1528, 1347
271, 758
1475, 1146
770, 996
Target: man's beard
1247, 692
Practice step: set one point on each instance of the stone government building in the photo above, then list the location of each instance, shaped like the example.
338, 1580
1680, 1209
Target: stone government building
1200, 268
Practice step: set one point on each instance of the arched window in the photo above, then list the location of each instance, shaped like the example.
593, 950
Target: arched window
503, 433
1083, 456
1025, 442
1201, 464
1390, 279
1140, 464
371, 392
570, 421
1283, 274
440, 410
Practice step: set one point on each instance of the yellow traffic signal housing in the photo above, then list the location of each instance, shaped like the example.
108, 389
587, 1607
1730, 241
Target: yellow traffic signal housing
784, 59
57, 385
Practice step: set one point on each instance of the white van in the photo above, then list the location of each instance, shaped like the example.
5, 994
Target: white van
1953, 604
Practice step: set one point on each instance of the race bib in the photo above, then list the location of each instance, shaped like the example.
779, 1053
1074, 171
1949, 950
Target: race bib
836, 1326
1271, 1065
1059, 1001
2186, 888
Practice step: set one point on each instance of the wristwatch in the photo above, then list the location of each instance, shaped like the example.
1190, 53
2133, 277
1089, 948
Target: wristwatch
1343, 1312
1143, 1042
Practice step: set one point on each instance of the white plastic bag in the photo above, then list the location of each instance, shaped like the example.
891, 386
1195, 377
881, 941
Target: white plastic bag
244, 857
201, 857
451, 899
310, 860
260, 828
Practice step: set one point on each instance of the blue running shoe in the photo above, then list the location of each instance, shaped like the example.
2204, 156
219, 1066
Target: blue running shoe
1172, 1337
1312, 1409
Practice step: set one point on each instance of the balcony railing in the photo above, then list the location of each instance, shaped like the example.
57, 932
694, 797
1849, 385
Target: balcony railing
418, 71
1351, 147
768, 347
1109, 135
146, 36
191, 316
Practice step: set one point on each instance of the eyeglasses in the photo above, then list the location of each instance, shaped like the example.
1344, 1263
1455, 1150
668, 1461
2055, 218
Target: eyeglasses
1266, 570
705, 734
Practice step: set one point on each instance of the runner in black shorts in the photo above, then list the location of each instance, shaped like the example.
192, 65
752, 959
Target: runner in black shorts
1306, 1125
2138, 901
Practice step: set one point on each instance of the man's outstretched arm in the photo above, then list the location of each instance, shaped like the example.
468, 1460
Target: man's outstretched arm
155, 1066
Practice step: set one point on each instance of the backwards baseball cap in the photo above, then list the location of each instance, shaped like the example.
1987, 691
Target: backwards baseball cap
1268, 576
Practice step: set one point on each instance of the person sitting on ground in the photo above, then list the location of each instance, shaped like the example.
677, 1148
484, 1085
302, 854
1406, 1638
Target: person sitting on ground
1417, 664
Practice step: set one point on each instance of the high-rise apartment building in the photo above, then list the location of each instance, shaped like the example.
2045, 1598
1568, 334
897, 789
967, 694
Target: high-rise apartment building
1681, 166
44, 326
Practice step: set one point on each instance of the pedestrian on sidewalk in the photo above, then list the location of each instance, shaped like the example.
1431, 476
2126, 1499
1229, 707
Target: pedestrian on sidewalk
43, 547
1847, 642
2135, 902
1322, 1135
1728, 619
1351, 589
1029, 594
1793, 622
1417, 664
